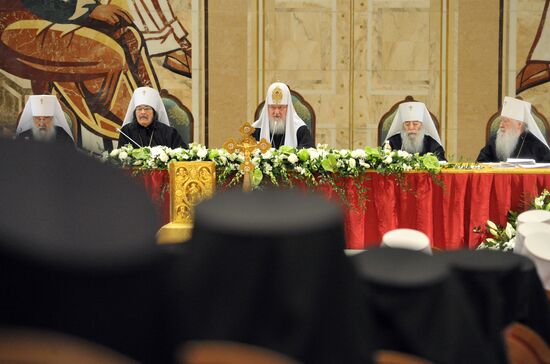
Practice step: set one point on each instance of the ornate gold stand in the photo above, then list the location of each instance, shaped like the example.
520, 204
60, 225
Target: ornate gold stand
190, 182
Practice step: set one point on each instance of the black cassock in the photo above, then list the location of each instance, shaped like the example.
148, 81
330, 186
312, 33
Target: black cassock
529, 146
156, 133
302, 135
61, 136
430, 146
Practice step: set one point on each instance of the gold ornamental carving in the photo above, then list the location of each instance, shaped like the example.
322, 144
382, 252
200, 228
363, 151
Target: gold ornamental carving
247, 145
190, 183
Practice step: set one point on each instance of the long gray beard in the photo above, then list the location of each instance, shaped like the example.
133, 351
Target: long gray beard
277, 126
43, 136
506, 144
412, 143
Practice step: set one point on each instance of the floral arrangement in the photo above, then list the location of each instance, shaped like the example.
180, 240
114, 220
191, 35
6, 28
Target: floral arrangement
504, 237
284, 165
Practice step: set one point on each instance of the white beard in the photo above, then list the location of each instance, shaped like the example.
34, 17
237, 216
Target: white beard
413, 143
506, 144
277, 126
43, 136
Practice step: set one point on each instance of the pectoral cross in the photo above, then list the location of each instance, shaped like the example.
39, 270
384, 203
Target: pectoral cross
247, 144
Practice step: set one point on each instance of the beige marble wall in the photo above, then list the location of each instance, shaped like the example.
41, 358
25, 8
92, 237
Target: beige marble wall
399, 53
353, 59
227, 69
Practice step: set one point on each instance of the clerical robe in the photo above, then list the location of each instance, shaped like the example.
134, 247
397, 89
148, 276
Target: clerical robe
528, 147
302, 135
155, 134
61, 136
429, 146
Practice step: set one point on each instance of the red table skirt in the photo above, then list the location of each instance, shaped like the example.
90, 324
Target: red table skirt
448, 214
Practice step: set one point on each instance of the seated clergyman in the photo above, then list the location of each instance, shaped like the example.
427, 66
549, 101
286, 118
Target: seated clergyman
414, 131
518, 135
279, 123
43, 120
146, 123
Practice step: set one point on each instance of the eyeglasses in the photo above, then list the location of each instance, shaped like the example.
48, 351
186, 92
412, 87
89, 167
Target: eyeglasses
144, 108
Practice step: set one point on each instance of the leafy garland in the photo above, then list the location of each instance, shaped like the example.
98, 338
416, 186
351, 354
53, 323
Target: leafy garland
504, 237
312, 166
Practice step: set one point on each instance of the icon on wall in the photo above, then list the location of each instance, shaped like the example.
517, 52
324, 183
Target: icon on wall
92, 55
537, 66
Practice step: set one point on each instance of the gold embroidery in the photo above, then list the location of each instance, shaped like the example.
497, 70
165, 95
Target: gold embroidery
277, 95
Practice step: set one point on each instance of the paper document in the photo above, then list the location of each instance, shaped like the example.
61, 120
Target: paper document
520, 161
536, 165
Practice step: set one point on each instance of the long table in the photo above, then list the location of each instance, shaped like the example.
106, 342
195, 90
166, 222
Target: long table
451, 213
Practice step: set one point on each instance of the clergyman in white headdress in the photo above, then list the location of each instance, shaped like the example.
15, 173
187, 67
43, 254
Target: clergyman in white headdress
518, 135
146, 123
43, 119
414, 131
279, 123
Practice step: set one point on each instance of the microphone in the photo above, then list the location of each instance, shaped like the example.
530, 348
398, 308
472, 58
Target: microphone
126, 135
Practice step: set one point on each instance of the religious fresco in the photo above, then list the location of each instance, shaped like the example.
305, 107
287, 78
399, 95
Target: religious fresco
525, 49
92, 54
537, 66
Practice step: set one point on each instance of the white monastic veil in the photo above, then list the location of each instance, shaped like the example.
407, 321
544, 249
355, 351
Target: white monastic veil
408, 111
521, 110
26, 121
293, 121
150, 97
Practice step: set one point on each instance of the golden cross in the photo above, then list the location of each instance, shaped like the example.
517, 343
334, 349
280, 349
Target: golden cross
247, 145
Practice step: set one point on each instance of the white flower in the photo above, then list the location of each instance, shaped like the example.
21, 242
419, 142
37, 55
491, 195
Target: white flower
122, 155
313, 153
156, 151
164, 157
406, 167
510, 245
344, 152
509, 231
387, 146
352, 163
267, 167
202, 152
358, 153
363, 163
114, 152
492, 225
268, 153
538, 200
293, 158
388, 159
174, 152
403, 154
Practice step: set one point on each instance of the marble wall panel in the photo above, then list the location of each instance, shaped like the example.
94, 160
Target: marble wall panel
307, 45
399, 54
